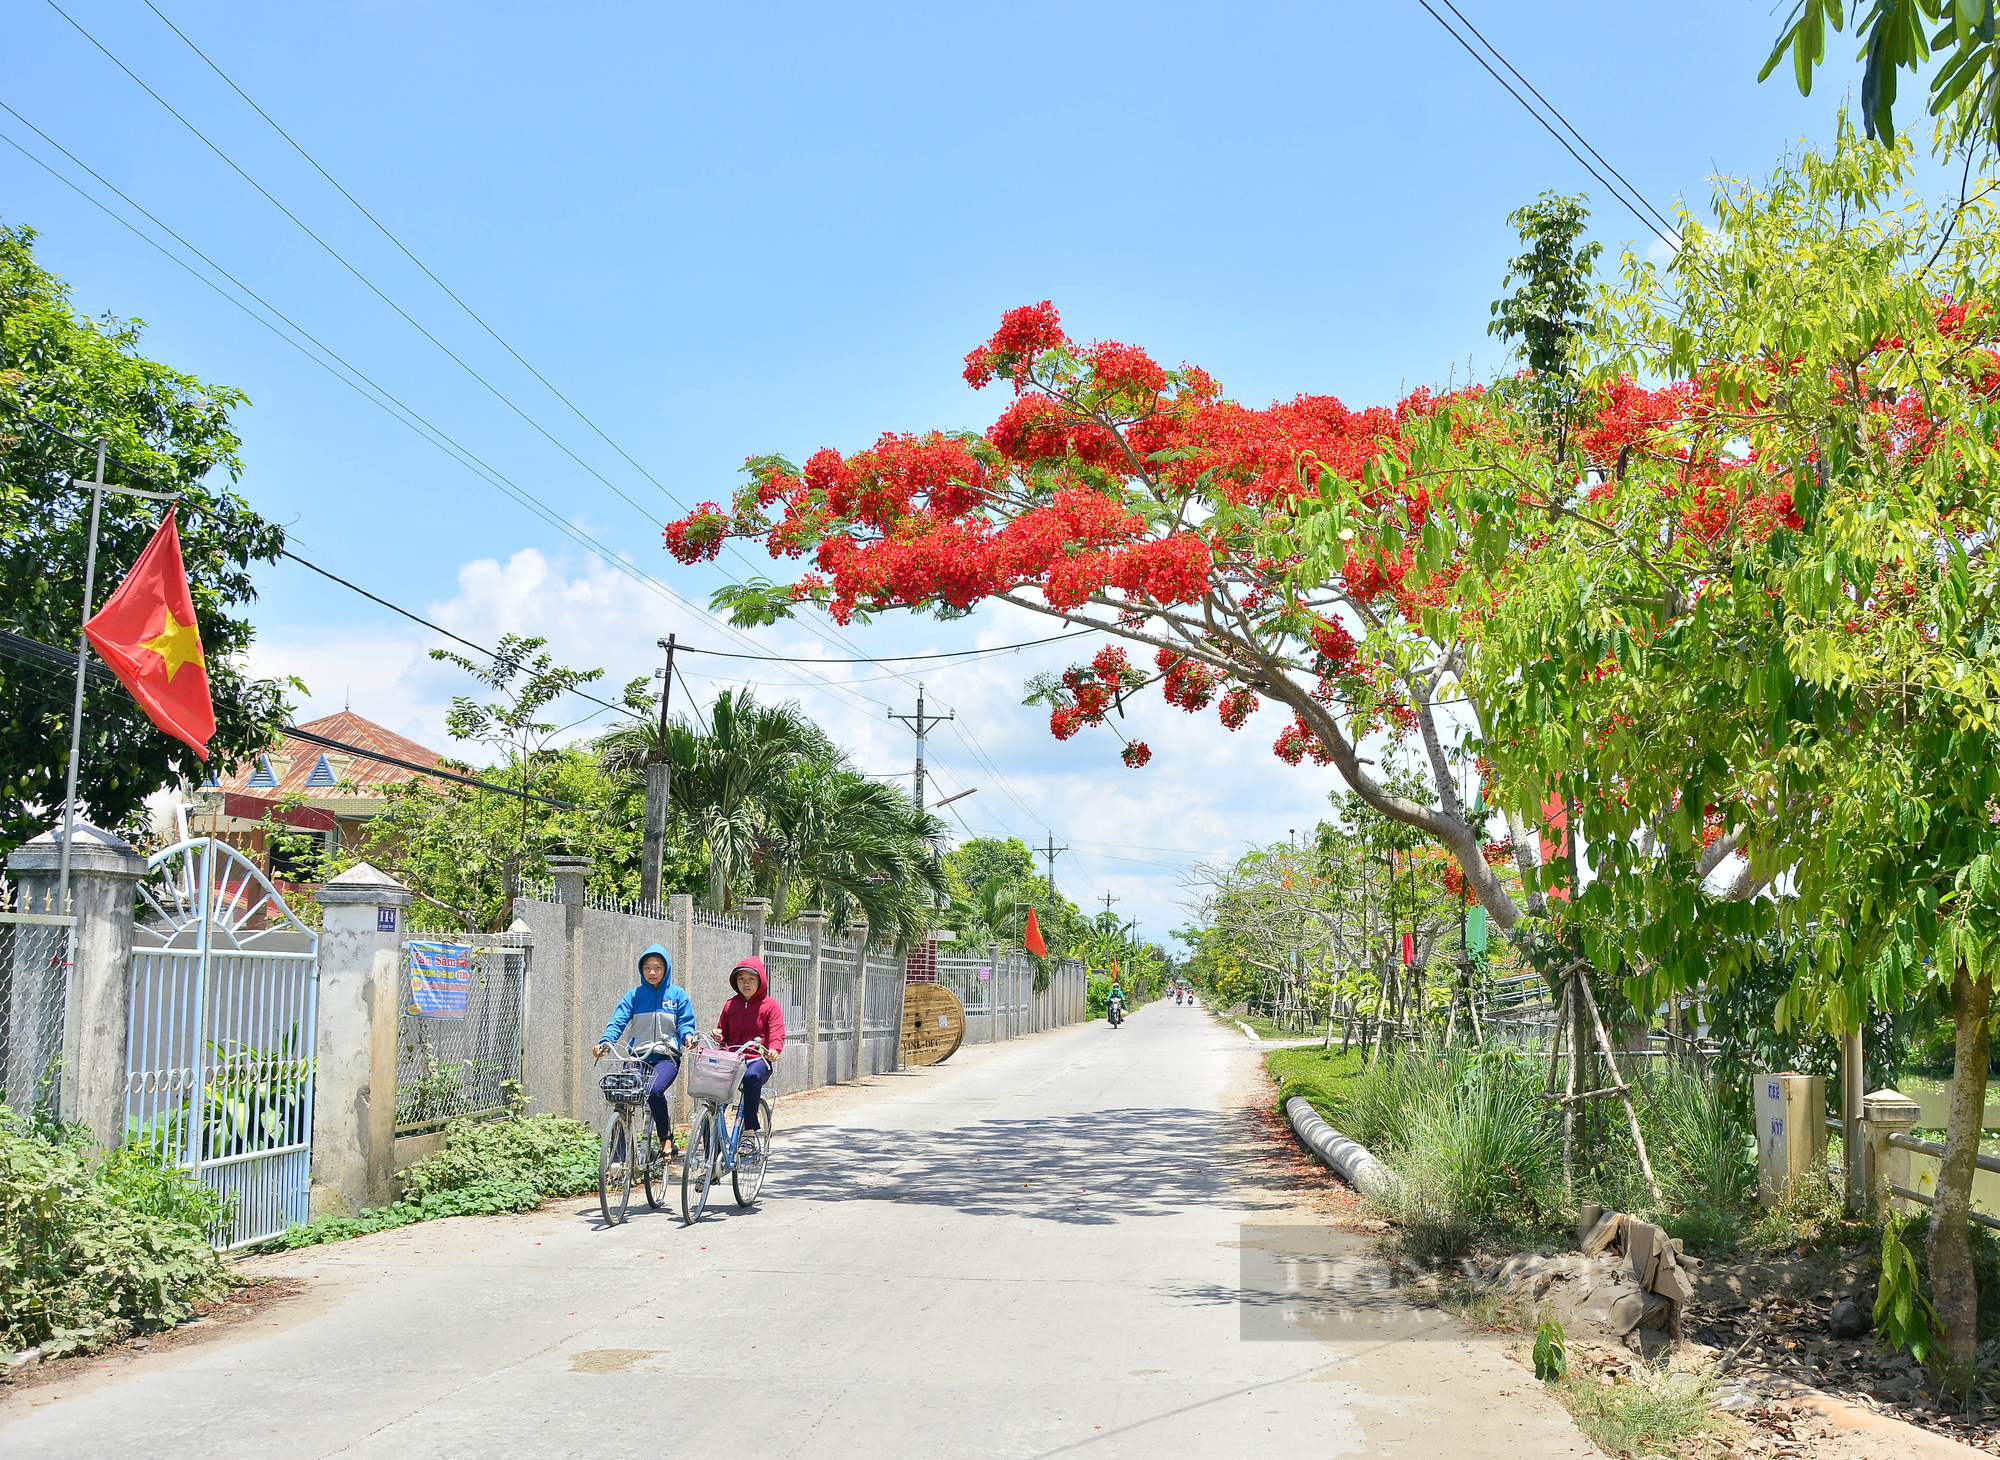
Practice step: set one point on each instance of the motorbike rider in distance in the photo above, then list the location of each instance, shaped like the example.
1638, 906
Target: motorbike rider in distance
1114, 1006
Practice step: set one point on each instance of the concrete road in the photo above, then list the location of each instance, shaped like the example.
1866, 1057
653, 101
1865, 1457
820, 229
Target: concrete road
1067, 1245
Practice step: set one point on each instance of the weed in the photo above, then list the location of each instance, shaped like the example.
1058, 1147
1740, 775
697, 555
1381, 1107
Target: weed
1551, 1351
1657, 1413
486, 1167
96, 1246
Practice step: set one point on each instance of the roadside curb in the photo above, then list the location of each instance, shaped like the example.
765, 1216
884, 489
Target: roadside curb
1349, 1160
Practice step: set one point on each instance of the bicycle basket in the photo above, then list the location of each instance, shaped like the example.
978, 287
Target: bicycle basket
714, 1074
620, 1085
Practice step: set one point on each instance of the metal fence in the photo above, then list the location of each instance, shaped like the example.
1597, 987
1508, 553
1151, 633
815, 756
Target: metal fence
836, 988
787, 958
35, 953
882, 1001
969, 978
461, 1059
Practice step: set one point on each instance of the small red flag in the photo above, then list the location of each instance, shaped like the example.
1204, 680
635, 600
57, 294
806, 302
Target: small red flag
1031, 938
146, 632
1409, 949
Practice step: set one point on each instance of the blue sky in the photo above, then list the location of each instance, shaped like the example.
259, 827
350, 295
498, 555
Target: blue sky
722, 232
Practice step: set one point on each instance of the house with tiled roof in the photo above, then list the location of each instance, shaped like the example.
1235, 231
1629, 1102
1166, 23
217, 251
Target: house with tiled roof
308, 787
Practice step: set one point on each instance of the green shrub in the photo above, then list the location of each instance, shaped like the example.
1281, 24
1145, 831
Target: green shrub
487, 1167
1703, 1154
1477, 1159
96, 1246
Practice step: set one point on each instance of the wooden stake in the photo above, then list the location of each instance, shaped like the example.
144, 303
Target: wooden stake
1625, 1096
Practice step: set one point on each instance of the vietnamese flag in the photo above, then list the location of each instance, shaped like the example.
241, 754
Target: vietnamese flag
146, 632
1031, 937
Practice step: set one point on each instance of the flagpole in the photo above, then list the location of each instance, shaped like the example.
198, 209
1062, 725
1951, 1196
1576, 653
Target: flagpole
82, 663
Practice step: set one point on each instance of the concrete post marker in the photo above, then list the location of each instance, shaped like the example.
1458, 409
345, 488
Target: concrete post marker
354, 1054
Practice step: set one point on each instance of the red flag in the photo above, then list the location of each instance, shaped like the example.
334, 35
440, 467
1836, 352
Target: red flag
1409, 949
1031, 938
146, 632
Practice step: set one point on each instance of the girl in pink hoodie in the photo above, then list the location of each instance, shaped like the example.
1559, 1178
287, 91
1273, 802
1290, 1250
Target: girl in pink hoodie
752, 1014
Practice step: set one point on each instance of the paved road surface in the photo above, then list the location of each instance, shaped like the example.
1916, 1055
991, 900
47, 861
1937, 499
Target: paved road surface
1057, 1246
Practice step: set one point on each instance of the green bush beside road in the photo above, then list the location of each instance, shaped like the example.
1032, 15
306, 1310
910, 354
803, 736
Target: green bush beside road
487, 1167
94, 1246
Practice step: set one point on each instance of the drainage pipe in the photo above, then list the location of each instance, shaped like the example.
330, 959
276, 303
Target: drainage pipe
1348, 1159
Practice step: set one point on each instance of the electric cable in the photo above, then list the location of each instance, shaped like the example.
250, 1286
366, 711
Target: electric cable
387, 401
1637, 209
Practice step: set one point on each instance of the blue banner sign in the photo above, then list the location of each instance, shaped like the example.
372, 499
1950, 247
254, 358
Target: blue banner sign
440, 979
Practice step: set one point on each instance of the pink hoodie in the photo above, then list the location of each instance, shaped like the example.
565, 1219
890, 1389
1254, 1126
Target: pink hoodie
762, 1017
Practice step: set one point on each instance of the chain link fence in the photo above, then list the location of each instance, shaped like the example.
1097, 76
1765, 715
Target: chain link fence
459, 1037
35, 952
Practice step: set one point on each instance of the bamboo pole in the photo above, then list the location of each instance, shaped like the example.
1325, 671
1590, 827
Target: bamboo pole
1624, 1092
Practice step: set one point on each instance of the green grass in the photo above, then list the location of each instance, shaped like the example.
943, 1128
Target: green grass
1656, 1413
487, 1167
1266, 1029
1319, 1075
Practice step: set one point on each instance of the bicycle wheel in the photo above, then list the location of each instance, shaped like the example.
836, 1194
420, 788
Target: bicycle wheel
698, 1166
614, 1170
753, 1154
652, 1165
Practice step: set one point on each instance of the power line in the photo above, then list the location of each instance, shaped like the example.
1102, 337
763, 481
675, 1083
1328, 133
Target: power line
403, 248
382, 398
58, 661
1636, 205
895, 658
1662, 218
341, 259
828, 635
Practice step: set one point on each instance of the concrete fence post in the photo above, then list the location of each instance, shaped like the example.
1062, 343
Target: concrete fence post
571, 876
1886, 1113
860, 993
992, 993
680, 907
757, 912
104, 874
815, 926
354, 1049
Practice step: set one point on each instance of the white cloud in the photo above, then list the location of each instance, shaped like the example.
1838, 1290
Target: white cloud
1206, 795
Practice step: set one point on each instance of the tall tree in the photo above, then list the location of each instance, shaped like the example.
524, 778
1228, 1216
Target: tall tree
63, 373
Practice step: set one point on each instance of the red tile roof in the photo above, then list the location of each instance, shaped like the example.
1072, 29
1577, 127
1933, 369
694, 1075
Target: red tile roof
350, 729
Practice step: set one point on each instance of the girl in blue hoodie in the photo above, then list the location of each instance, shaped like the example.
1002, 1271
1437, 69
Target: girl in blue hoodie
658, 1012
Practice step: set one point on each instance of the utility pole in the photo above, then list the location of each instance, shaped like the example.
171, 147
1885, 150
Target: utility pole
1051, 852
920, 723
659, 782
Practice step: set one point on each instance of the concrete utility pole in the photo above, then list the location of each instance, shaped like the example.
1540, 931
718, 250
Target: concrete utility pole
920, 723
659, 782
1052, 851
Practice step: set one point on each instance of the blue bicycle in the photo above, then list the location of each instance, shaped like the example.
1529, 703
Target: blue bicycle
717, 1141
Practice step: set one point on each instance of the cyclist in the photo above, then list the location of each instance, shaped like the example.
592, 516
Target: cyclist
752, 1014
659, 1012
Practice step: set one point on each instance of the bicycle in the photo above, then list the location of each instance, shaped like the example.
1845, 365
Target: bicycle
715, 1132
630, 1142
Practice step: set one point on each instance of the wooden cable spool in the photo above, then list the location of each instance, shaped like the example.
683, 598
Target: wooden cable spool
933, 1023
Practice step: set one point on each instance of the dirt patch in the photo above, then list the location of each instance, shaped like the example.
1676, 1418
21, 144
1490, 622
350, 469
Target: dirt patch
1770, 1322
212, 1319
1269, 1165
615, 1360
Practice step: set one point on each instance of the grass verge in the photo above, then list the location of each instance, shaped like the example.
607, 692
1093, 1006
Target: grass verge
486, 1168
1645, 1411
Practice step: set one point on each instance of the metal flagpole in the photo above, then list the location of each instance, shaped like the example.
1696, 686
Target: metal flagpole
98, 487
82, 662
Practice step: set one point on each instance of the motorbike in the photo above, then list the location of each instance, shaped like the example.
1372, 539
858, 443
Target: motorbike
1116, 1014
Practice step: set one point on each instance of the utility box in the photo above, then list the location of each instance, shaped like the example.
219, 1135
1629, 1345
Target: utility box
1791, 1133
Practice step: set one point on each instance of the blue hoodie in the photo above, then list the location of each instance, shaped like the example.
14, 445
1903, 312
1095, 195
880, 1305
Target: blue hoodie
669, 1000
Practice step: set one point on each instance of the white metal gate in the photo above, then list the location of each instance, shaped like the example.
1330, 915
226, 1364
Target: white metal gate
219, 1051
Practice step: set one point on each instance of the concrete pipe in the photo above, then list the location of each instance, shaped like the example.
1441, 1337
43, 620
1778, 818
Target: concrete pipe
1348, 1159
